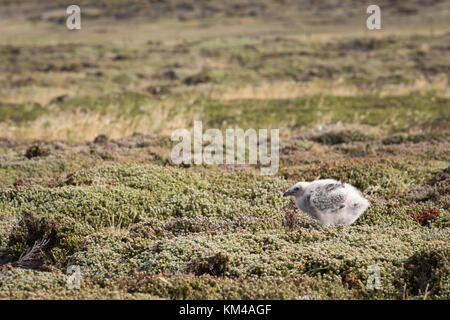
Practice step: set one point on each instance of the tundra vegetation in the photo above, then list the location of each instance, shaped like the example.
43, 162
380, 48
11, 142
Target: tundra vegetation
85, 171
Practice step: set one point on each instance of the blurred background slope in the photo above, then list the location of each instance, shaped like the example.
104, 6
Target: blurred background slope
328, 12
151, 66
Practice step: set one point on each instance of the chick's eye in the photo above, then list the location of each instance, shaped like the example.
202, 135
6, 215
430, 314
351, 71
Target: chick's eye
296, 189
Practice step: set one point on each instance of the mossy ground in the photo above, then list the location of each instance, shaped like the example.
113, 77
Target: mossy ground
86, 118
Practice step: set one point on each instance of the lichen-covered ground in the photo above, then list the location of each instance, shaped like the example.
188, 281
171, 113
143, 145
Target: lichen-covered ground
86, 177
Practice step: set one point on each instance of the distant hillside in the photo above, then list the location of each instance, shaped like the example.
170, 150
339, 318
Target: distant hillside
333, 11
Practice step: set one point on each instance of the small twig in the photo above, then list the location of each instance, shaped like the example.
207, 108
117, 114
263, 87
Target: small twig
315, 270
404, 292
426, 292
30, 257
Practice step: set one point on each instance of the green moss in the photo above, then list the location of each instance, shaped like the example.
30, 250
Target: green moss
416, 138
202, 77
393, 112
346, 136
427, 273
129, 104
42, 168
249, 288
215, 265
21, 113
37, 150
373, 177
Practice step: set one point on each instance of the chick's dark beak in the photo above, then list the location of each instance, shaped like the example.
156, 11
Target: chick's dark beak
287, 193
